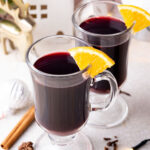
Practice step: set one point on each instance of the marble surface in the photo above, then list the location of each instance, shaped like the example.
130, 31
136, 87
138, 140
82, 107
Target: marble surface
133, 130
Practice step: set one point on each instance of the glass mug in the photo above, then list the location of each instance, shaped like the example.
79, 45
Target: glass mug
62, 101
111, 37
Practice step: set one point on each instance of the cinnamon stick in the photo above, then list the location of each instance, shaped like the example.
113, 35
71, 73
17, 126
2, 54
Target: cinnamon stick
21, 126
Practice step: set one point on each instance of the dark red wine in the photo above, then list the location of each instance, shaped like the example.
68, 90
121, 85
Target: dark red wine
108, 25
60, 110
58, 63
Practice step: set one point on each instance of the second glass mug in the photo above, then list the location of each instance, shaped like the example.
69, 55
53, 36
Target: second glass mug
62, 101
111, 36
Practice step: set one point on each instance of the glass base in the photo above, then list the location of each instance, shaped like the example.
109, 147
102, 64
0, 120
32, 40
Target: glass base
110, 117
74, 142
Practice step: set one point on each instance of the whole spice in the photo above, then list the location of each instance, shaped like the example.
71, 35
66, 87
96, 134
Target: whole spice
125, 93
115, 146
106, 148
20, 127
111, 143
115, 137
26, 146
107, 138
142, 143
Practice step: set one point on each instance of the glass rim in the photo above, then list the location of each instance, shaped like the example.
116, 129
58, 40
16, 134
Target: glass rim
31, 66
96, 34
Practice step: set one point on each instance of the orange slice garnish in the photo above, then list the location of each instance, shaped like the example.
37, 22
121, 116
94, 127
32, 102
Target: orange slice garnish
97, 59
135, 14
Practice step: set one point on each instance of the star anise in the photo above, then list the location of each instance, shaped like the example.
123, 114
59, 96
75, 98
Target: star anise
26, 146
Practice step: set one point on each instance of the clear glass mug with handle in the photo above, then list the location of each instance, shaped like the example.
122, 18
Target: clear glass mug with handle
101, 25
62, 100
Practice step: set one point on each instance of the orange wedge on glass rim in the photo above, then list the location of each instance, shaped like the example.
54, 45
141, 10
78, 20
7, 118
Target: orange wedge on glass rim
135, 14
97, 59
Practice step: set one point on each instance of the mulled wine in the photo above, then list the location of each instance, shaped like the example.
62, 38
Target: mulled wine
60, 111
106, 25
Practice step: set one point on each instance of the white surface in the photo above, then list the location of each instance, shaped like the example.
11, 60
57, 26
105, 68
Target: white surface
132, 131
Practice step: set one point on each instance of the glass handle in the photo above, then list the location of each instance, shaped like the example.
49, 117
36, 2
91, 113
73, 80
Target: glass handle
106, 75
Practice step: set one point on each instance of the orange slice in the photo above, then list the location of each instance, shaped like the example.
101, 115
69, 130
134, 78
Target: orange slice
132, 13
85, 56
